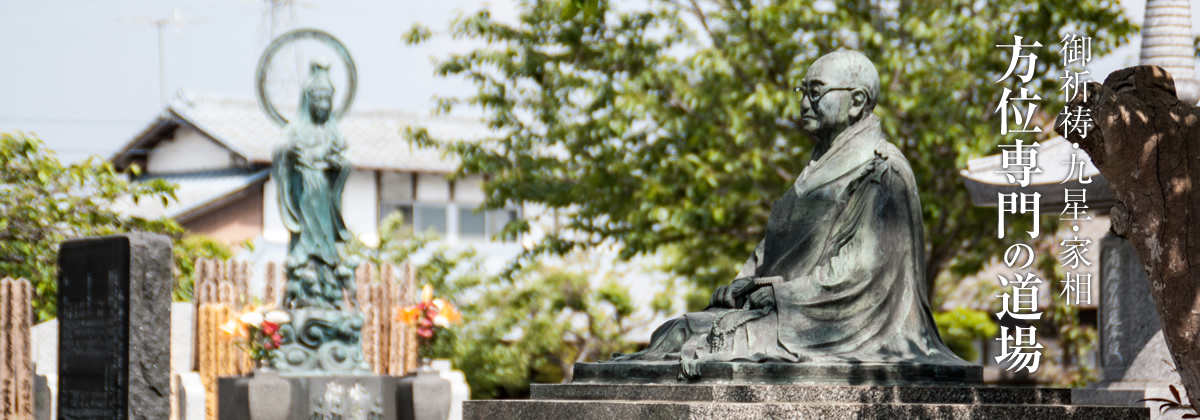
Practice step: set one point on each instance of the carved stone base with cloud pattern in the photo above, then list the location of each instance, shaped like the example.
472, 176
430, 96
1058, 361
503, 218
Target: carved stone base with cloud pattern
322, 341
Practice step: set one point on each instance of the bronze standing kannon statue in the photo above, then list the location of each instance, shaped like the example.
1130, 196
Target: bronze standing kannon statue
310, 168
838, 280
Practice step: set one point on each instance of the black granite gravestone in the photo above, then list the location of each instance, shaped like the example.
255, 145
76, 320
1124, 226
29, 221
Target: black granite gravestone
114, 303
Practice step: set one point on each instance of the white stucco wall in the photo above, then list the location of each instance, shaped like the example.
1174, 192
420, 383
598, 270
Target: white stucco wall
395, 186
273, 229
189, 150
360, 209
469, 190
360, 206
433, 188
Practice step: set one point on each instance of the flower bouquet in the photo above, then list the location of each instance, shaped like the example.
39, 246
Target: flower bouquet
429, 315
260, 330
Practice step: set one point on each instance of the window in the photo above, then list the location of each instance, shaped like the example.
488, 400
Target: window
405, 210
498, 218
430, 217
419, 216
430, 203
483, 225
472, 224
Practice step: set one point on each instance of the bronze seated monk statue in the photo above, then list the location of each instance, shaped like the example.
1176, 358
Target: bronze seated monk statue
839, 277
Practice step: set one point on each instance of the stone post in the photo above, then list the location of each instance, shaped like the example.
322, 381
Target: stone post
16, 360
408, 296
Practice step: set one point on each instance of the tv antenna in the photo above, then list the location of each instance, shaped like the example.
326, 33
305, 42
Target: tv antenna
177, 21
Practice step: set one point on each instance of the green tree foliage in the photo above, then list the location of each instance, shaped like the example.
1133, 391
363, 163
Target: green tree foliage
536, 326
532, 326
1071, 365
671, 126
43, 202
961, 328
186, 250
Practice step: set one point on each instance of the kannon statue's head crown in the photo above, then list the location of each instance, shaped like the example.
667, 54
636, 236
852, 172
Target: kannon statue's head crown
317, 98
318, 77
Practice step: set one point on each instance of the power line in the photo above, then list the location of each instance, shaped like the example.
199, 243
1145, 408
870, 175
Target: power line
91, 26
80, 150
42, 6
92, 35
101, 31
75, 121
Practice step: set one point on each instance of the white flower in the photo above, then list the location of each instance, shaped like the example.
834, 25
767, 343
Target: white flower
441, 321
427, 294
279, 317
254, 319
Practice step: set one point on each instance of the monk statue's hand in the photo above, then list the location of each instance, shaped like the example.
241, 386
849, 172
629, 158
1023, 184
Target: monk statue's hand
763, 297
728, 296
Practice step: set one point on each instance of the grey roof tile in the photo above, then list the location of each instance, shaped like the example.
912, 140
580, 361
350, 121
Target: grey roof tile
373, 135
194, 191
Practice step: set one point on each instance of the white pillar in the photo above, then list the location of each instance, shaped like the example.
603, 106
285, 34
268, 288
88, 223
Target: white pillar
1167, 43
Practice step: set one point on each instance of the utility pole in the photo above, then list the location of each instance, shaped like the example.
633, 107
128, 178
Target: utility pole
289, 67
279, 17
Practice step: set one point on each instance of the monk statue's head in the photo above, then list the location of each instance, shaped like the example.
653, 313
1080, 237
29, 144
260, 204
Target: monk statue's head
839, 89
318, 93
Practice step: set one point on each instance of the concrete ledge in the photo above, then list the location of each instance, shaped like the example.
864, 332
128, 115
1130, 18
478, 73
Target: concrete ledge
780, 373
803, 394
589, 410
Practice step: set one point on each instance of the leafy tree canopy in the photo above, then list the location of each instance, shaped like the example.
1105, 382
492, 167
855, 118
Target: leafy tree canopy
530, 327
44, 202
670, 125
185, 251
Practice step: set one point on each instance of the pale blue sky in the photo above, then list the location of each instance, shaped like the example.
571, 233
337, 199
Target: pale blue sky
84, 75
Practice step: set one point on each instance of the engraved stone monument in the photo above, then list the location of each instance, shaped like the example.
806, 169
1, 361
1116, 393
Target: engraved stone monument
114, 311
1133, 354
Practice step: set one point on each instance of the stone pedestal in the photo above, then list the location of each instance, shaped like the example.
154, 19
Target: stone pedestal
781, 373
190, 396
43, 398
704, 401
315, 397
425, 396
459, 389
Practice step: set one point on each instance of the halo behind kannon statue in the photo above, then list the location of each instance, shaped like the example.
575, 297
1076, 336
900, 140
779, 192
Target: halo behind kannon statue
264, 66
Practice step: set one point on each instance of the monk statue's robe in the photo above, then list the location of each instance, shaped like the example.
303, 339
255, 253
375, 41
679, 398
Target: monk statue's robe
846, 246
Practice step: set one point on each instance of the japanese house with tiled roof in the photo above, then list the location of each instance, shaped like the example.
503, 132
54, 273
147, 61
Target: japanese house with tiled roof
218, 150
